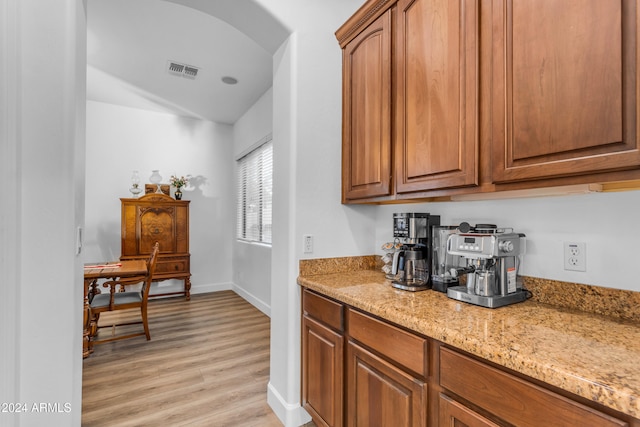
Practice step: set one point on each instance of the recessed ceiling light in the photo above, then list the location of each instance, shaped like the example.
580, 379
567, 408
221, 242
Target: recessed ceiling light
229, 80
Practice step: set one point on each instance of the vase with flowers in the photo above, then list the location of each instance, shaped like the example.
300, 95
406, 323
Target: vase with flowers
178, 183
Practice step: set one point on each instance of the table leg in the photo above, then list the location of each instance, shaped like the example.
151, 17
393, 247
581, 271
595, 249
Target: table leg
95, 290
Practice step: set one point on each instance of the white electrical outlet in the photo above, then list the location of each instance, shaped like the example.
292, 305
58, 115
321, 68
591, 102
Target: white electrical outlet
575, 256
307, 243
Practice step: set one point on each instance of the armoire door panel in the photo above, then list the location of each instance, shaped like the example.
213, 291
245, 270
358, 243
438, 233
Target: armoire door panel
437, 111
157, 225
563, 88
367, 112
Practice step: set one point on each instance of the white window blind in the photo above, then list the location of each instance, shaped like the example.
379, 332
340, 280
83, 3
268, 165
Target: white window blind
255, 178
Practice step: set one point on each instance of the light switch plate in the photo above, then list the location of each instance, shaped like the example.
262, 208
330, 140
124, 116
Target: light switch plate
307, 244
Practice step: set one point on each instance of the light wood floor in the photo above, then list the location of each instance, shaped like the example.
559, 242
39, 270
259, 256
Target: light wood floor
207, 364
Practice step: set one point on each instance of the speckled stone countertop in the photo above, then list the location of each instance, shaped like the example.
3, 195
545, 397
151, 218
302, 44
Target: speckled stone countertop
588, 354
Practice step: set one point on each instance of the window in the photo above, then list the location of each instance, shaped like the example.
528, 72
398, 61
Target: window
255, 177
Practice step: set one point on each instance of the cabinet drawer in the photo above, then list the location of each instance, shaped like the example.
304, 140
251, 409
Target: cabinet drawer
323, 309
171, 266
405, 348
514, 399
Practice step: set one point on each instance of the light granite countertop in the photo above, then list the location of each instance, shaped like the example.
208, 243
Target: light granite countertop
593, 356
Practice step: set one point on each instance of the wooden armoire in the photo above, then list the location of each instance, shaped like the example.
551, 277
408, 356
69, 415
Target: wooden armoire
158, 218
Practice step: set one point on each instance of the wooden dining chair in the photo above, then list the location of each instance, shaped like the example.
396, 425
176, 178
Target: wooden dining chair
125, 300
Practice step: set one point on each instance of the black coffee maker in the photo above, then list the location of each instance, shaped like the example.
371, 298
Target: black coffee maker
411, 264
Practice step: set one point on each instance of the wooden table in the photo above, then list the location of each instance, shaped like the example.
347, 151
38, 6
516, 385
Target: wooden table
109, 270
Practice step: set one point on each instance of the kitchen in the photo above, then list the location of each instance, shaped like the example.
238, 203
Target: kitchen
307, 128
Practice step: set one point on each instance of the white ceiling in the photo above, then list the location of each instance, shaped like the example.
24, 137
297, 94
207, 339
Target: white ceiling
129, 44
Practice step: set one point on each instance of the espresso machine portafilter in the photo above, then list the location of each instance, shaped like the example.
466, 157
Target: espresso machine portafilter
493, 258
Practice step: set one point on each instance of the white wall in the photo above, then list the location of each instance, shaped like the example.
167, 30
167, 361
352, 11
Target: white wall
606, 222
122, 139
252, 262
284, 365
255, 123
307, 141
41, 153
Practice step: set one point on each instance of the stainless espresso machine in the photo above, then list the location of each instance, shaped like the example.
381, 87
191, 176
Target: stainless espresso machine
411, 264
493, 256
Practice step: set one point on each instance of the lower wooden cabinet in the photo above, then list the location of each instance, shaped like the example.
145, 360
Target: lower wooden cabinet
322, 360
360, 370
381, 394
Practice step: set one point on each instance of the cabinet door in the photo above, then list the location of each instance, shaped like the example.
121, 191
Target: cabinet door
366, 139
157, 224
454, 414
322, 371
563, 84
381, 394
436, 78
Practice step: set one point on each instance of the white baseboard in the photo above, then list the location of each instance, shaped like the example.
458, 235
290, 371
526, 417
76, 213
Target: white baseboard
291, 415
172, 285
228, 286
212, 287
256, 302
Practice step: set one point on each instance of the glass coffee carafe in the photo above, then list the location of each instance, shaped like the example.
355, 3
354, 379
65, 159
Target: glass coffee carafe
412, 269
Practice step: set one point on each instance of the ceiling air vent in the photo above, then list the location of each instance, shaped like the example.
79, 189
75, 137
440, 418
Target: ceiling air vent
178, 69
190, 72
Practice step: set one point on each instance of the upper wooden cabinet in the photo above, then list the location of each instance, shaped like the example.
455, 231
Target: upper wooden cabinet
564, 88
366, 149
410, 88
436, 83
444, 97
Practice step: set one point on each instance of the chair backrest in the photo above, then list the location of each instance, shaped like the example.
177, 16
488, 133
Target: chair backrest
151, 268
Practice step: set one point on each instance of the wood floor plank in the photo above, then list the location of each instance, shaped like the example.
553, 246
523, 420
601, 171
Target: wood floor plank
207, 364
